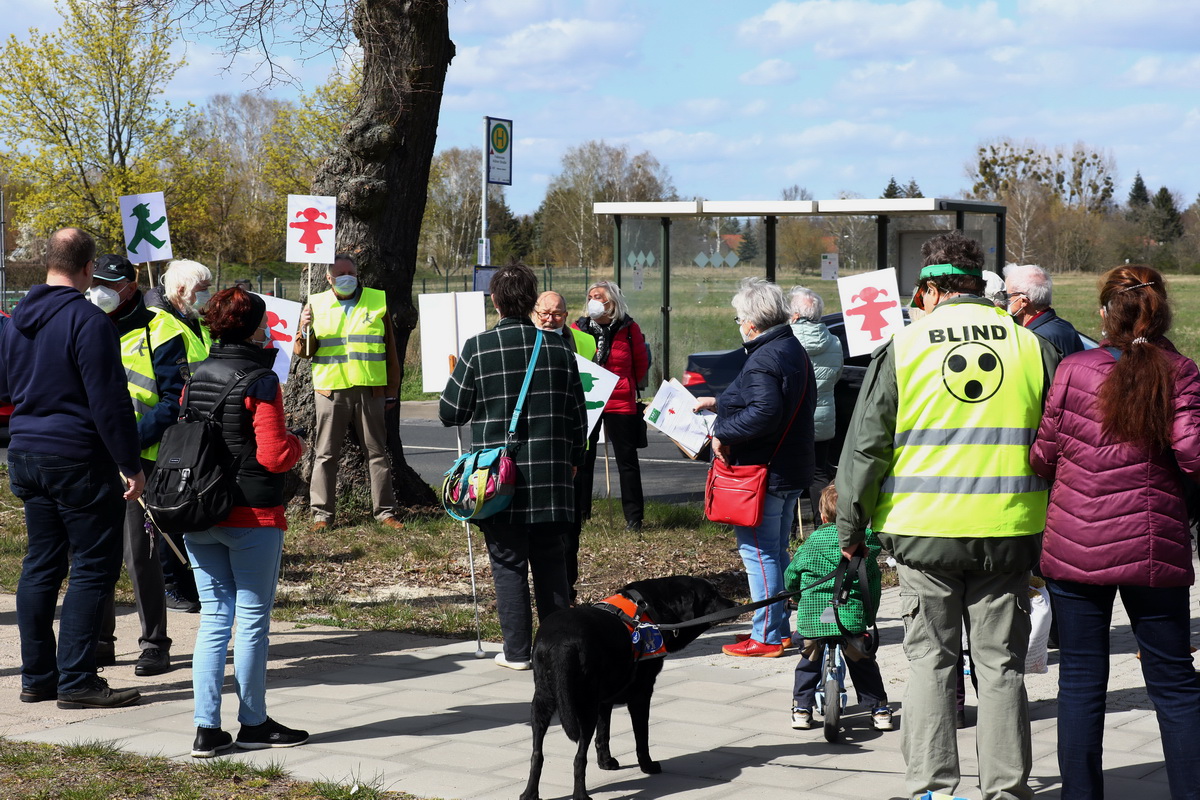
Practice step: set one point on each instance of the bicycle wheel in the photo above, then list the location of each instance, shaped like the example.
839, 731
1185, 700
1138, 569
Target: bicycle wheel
833, 696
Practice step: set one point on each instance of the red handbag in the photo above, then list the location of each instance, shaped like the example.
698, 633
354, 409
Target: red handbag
734, 495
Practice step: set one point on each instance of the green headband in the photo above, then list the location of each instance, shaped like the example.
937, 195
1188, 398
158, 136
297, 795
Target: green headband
936, 270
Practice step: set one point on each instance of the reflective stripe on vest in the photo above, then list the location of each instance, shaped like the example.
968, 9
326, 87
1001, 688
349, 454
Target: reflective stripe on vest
970, 383
137, 351
351, 347
197, 346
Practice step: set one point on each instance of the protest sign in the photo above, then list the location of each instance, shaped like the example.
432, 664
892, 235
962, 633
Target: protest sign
311, 229
871, 309
144, 222
598, 385
283, 316
447, 321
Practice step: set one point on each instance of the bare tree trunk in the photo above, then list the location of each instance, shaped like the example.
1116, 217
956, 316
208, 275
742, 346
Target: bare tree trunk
379, 174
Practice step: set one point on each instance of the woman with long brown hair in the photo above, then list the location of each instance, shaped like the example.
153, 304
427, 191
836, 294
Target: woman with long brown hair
1120, 439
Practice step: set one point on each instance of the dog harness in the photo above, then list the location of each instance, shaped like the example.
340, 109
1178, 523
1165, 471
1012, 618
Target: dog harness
644, 636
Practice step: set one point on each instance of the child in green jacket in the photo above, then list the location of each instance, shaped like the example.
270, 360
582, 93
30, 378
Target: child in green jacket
819, 555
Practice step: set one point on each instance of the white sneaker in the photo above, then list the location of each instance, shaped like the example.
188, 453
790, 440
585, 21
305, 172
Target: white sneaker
802, 719
517, 665
881, 719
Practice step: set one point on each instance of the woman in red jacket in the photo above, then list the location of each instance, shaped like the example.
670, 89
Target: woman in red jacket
237, 560
620, 348
1120, 439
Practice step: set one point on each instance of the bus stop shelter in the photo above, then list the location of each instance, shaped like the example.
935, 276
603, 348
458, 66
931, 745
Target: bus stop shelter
651, 240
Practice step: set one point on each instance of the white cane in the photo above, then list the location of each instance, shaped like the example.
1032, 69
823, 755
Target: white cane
466, 525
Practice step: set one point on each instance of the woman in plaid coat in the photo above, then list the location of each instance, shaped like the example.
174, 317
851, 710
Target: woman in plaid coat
483, 390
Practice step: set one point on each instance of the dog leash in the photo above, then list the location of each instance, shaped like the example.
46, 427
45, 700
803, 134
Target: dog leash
843, 568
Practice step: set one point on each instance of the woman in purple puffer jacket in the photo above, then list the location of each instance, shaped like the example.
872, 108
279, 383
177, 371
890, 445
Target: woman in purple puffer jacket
1119, 439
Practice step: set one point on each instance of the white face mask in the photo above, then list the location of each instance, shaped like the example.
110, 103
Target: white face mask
595, 309
103, 298
745, 336
345, 284
202, 299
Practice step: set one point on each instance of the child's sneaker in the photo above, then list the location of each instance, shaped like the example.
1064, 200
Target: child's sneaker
881, 719
802, 719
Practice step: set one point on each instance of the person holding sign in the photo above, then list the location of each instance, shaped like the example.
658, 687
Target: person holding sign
620, 348
348, 335
154, 354
936, 462
73, 439
765, 416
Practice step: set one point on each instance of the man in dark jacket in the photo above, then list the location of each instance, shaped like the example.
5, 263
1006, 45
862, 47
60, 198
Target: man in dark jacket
154, 355
936, 461
551, 433
1029, 290
73, 437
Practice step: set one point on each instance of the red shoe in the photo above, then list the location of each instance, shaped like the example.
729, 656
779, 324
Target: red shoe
741, 637
753, 647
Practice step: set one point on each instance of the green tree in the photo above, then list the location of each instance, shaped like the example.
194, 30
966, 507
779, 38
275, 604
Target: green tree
911, 189
87, 125
1164, 220
1139, 196
892, 191
748, 250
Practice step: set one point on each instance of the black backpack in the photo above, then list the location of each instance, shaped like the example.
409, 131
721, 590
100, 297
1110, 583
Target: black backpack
192, 485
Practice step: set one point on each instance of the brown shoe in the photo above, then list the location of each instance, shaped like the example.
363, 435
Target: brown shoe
392, 522
320, 526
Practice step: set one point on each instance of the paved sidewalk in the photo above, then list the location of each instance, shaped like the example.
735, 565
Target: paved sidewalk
425, 716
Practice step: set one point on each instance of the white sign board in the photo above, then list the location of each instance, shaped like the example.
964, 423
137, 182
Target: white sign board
671, 412
283, 318
144, 221
829, 266
871, 309
447, 321
499, 152
598, 385
311, 229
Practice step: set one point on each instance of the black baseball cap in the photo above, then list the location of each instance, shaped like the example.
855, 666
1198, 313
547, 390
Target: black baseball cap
114, 268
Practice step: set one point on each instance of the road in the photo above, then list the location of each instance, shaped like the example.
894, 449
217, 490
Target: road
667, 476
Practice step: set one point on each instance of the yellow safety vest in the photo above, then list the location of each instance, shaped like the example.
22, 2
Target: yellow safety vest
197, 346
970, 384
351, 348
137, 350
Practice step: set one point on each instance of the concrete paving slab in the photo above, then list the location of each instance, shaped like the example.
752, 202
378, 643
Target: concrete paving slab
425, 716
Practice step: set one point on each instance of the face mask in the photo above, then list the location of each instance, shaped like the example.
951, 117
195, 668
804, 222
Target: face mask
266, 342
345, 284
745, 337
103, 298
202, 299
595, 309
560, 331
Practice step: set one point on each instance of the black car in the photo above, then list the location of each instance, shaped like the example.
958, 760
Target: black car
708, 374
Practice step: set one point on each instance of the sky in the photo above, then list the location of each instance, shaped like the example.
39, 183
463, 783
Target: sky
742, 99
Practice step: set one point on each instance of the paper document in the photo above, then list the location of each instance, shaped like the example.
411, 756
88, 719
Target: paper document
671, 412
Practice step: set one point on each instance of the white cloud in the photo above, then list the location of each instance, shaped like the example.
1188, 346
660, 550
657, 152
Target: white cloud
1146, 24
769, 73
559, 55
1156, 72
848, 28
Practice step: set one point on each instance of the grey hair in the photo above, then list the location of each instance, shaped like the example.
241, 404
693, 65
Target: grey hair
760, 302
620, 307
182, 275
807, 303
1032, 281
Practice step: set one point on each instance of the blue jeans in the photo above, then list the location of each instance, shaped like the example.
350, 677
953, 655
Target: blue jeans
864, 674
1160, 620
764, 551
237, 570
74, 514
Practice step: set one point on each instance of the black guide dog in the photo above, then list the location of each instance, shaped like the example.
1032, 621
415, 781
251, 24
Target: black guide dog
584, 663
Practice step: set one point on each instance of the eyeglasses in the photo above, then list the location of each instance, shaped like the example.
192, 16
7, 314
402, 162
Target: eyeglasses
738, 320
551, 314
